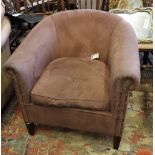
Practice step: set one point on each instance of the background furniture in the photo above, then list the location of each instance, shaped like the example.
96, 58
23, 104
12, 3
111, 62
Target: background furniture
25, 14
34, 6
51, 6
142, 22
141, 19
59, 92
94, 4
6, 83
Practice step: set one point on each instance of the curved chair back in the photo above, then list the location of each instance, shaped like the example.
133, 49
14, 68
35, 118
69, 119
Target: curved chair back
84, 32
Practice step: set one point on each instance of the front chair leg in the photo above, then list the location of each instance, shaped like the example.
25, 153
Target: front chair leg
116, 142
30, 128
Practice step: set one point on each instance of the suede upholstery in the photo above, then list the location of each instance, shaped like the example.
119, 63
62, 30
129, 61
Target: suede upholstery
77, 33
67, 81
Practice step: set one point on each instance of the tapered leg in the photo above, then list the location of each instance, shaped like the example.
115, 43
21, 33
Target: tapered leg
30, 128
116, 142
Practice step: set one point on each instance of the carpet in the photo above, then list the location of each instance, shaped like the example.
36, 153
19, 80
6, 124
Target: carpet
137, 136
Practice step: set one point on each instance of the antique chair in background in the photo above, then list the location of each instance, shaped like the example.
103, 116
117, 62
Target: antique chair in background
51, 6
58, 84
25, 14
34, 6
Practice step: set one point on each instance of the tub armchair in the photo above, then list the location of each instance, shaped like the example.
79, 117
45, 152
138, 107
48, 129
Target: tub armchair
57, 82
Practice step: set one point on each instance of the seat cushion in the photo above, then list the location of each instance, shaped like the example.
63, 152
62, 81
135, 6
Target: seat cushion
73, 82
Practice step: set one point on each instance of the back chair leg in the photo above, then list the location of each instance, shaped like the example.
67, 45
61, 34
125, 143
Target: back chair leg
116, 142
30, 128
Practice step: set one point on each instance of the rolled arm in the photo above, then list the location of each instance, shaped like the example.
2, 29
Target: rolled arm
125, 70
124, 56
29, 60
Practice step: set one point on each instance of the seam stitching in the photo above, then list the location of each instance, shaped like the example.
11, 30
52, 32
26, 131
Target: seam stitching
65, 99
57, 32
117, 23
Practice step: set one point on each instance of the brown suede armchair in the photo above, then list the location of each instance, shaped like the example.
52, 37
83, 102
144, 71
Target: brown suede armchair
59, 85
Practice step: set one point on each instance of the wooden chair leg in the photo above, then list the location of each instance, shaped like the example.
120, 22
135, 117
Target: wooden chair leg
30, 128
116, 142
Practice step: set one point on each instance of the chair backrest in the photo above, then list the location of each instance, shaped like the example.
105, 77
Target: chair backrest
84, 32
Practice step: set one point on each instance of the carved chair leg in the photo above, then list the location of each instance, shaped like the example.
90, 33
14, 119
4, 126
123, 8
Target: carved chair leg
116, 142
30, 128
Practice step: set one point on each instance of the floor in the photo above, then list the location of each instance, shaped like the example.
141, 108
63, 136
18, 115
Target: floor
137, 136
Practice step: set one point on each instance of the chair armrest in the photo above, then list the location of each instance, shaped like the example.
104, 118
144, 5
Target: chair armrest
29, 60
125, 69
124, 56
